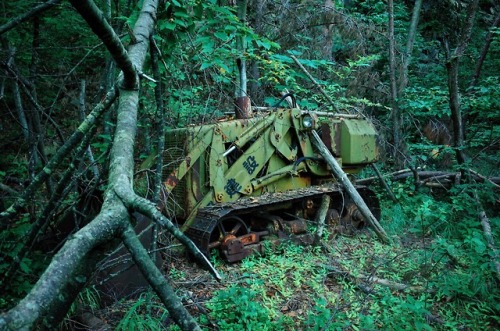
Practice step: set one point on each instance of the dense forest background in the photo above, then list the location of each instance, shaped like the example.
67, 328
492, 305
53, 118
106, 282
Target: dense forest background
425, 72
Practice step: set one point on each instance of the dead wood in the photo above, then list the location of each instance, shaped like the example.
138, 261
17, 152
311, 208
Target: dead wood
321, 218
369, 278
349, 187
485, 223
429, 176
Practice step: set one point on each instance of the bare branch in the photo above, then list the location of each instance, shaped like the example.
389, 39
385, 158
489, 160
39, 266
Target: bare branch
61, 154
98, 23
158, 281
26, 16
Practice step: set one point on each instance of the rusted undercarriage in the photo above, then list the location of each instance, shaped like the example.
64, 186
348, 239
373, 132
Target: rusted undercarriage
238, 229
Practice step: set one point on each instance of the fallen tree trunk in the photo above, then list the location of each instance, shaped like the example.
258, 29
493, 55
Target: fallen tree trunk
485, 223
349, 187
369, 278
50, 299
429, 175
321, 218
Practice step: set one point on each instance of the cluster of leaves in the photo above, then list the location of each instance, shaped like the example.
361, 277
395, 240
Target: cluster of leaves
439, 250
292, 286
140, 317
11, 241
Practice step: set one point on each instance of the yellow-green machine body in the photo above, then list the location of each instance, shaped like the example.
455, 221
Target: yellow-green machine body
232, 182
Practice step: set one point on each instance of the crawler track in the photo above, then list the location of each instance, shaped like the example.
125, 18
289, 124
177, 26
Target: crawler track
283, 214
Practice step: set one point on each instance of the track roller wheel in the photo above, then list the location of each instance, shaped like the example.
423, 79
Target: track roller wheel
227, 229
234, 239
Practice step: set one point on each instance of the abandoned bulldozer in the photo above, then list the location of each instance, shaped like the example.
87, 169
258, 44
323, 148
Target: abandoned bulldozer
237, 182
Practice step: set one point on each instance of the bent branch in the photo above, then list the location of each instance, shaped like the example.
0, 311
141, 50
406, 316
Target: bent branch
158, 281
26, 16
100, 26
60, 155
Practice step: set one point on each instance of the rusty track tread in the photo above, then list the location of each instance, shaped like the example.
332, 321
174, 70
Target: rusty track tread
207, 217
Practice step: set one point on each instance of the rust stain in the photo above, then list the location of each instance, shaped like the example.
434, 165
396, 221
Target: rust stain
172, 180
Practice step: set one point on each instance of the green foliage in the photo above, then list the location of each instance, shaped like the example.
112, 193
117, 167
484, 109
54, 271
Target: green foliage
456, 262
483, 103
28, 268
394, 312
198, 42
441, 244
136, 317
237, 308
87, 299
280, 71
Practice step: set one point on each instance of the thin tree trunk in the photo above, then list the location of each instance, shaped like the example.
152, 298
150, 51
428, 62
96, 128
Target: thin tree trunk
351, 190
403, 82
241, 46
452, 66
257, 25
321, 218
158, 281
109, 75
81, 113
484, 51
26, 16
16, 94
243, 106
20, 111
396, 113
328, 30
485, 224
456, 114
160, 125
38, 130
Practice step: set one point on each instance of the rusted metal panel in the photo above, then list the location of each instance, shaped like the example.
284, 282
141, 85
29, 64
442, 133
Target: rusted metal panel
243, 107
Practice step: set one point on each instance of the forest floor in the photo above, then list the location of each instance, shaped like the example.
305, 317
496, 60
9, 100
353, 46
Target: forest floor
347, 283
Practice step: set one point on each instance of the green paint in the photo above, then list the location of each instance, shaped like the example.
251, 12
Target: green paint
270, 152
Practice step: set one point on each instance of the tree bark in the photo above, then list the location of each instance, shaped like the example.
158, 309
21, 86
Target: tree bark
329, 6
37, 131
351, 190
255, 90
403, 82
26, 16
158, 281
16, 94
396, 113
485, 224
456, 114
48, 301
321, 218
81, 113
375, 280
484, 51
240, 47
160, 125
452, 66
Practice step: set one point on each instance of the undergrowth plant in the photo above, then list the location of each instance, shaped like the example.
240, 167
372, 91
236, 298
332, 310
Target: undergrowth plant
441, 254
144, 315
237, 308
